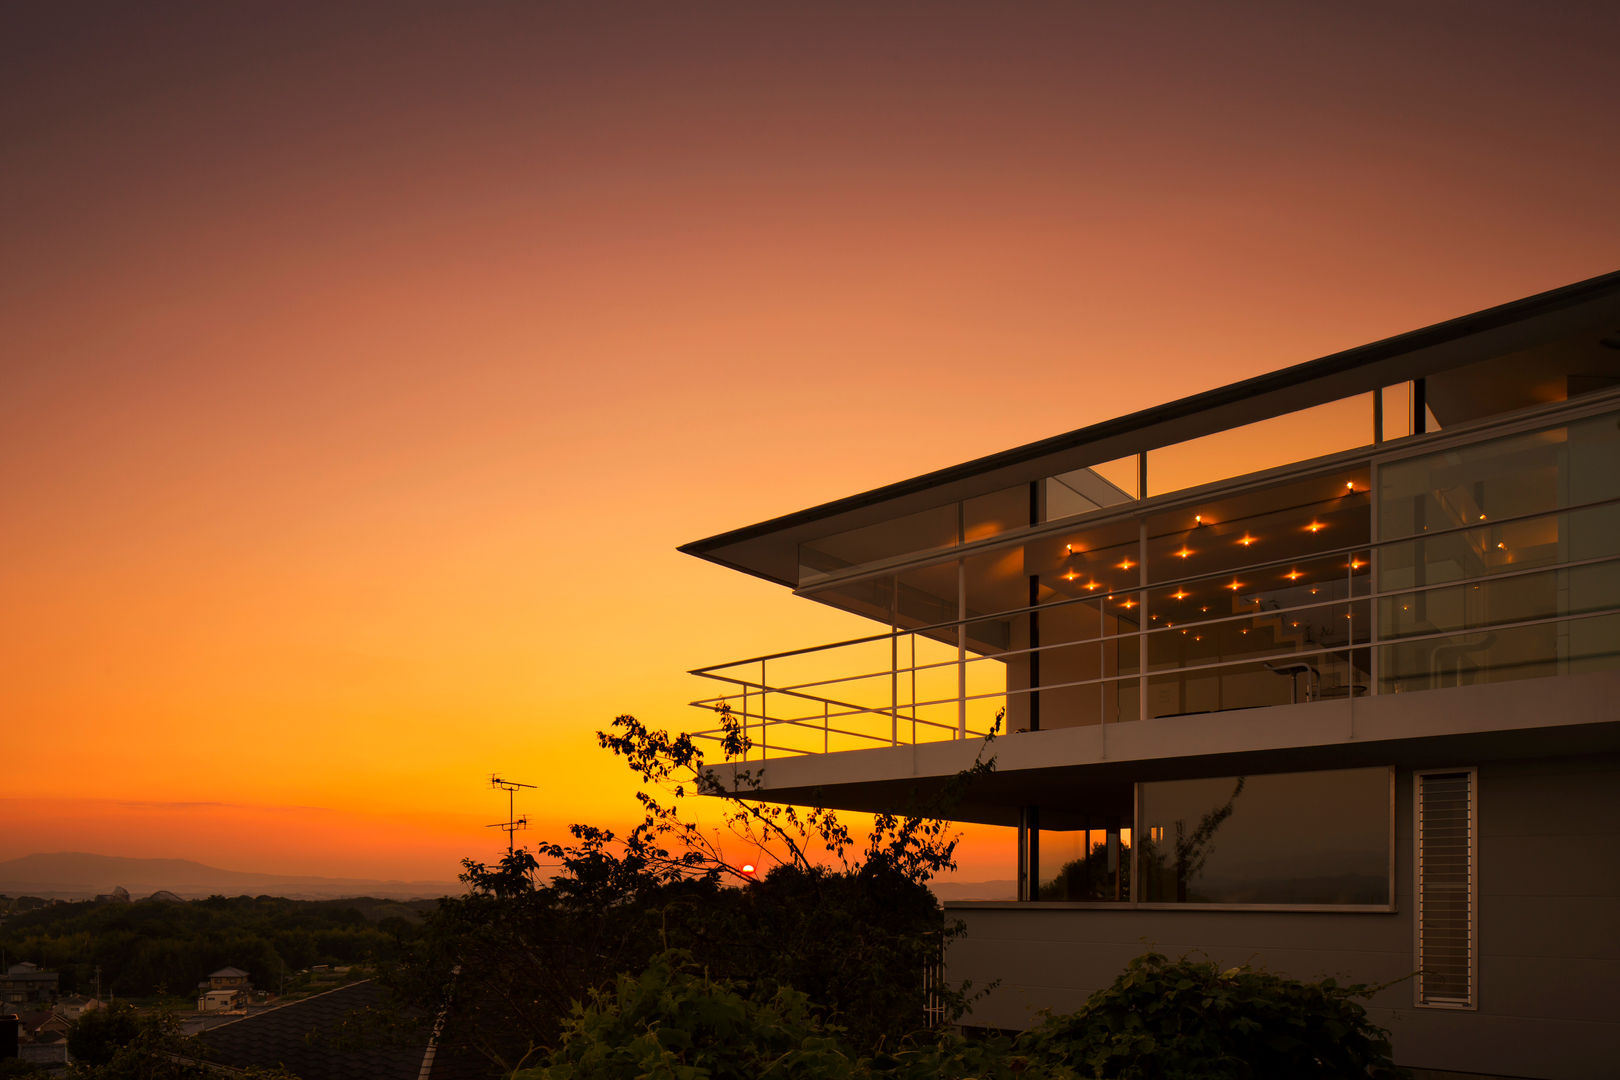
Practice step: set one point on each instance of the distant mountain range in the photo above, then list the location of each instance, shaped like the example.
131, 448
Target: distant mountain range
75, 875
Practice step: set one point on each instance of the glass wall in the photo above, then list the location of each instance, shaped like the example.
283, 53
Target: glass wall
1089, 860
1315, 838
1488, 594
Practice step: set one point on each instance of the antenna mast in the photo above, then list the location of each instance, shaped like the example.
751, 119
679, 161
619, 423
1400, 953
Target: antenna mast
512, 823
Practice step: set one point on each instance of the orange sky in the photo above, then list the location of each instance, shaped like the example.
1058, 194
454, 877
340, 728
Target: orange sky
362, 369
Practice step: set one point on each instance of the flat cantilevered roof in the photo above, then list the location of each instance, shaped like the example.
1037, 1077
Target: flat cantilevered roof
769, 549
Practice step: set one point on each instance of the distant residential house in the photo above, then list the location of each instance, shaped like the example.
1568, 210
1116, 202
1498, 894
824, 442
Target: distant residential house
28, 984
75, 1006
227, 978
221, 1000
42, 1026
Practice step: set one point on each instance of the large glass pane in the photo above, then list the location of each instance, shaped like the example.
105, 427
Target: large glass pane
1497, 509
928, 530
1280, 838
1000, 511
1082, 491
1084, 856
1280, 440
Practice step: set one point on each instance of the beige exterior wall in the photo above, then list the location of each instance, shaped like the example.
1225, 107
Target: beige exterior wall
1548, 938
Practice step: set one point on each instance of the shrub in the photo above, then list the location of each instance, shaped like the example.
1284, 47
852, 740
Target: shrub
1168, 1020
672, 1021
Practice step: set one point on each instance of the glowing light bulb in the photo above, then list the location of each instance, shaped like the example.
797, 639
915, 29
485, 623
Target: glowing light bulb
1180, 594
1246, 539
1315, 526
1236, 585
1125, 564
1293, 575
1184, 552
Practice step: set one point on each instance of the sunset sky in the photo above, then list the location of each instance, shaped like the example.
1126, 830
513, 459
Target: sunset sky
362, 365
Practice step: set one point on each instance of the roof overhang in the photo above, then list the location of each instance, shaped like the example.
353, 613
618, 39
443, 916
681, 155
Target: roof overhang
769, 549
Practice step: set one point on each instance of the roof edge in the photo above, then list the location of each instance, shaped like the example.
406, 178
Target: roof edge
1440, 333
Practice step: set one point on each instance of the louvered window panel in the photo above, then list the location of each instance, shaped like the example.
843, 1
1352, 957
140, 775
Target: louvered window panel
1445, 889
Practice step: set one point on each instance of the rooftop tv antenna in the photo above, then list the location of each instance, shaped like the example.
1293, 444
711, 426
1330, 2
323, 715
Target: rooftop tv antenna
512, 823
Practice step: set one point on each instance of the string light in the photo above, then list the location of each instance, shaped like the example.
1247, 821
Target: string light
1246, 539
1293, 575
1184, 552
1180, 594
1125, 564
1315, 526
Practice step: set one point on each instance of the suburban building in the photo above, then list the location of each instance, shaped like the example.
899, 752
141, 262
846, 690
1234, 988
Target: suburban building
1316, 671
28, 984
227, 978
221, 1000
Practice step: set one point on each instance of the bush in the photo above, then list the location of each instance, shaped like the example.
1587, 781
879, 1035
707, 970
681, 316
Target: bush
672, 1021
1168, 1020
1160, 1020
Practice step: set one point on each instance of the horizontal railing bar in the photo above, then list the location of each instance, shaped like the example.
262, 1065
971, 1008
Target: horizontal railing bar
1353, 647
762, 688
1131, 635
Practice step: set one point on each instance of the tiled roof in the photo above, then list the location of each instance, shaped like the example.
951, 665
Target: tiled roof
319, 1038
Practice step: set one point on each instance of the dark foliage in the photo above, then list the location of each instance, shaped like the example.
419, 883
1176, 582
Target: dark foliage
1183, 1019
851, 925
1161, 1020
152, 947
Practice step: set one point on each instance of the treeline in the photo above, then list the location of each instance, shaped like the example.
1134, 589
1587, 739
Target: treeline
157, 947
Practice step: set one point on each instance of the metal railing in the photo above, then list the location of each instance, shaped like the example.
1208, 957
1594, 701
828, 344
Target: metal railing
799, 715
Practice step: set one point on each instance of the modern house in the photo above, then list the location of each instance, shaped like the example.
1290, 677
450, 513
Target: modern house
1318, 671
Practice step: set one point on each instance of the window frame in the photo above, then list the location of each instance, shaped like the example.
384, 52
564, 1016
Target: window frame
1390, 905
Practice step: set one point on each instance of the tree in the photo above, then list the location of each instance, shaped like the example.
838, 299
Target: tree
851, 924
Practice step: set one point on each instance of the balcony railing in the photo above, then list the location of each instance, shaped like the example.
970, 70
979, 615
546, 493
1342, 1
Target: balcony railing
1120, 656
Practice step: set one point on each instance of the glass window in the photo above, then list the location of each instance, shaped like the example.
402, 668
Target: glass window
1279, 838
1265, 444
1088, 860
1499, 512
1081, 491
928, 530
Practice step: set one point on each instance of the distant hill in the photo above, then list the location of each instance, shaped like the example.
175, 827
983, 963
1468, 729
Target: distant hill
75, 875
975, 890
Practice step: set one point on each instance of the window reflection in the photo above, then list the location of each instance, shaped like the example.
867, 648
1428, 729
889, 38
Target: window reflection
1281, 838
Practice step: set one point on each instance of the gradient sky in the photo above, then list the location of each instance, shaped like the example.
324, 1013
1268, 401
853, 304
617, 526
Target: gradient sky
362, 365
